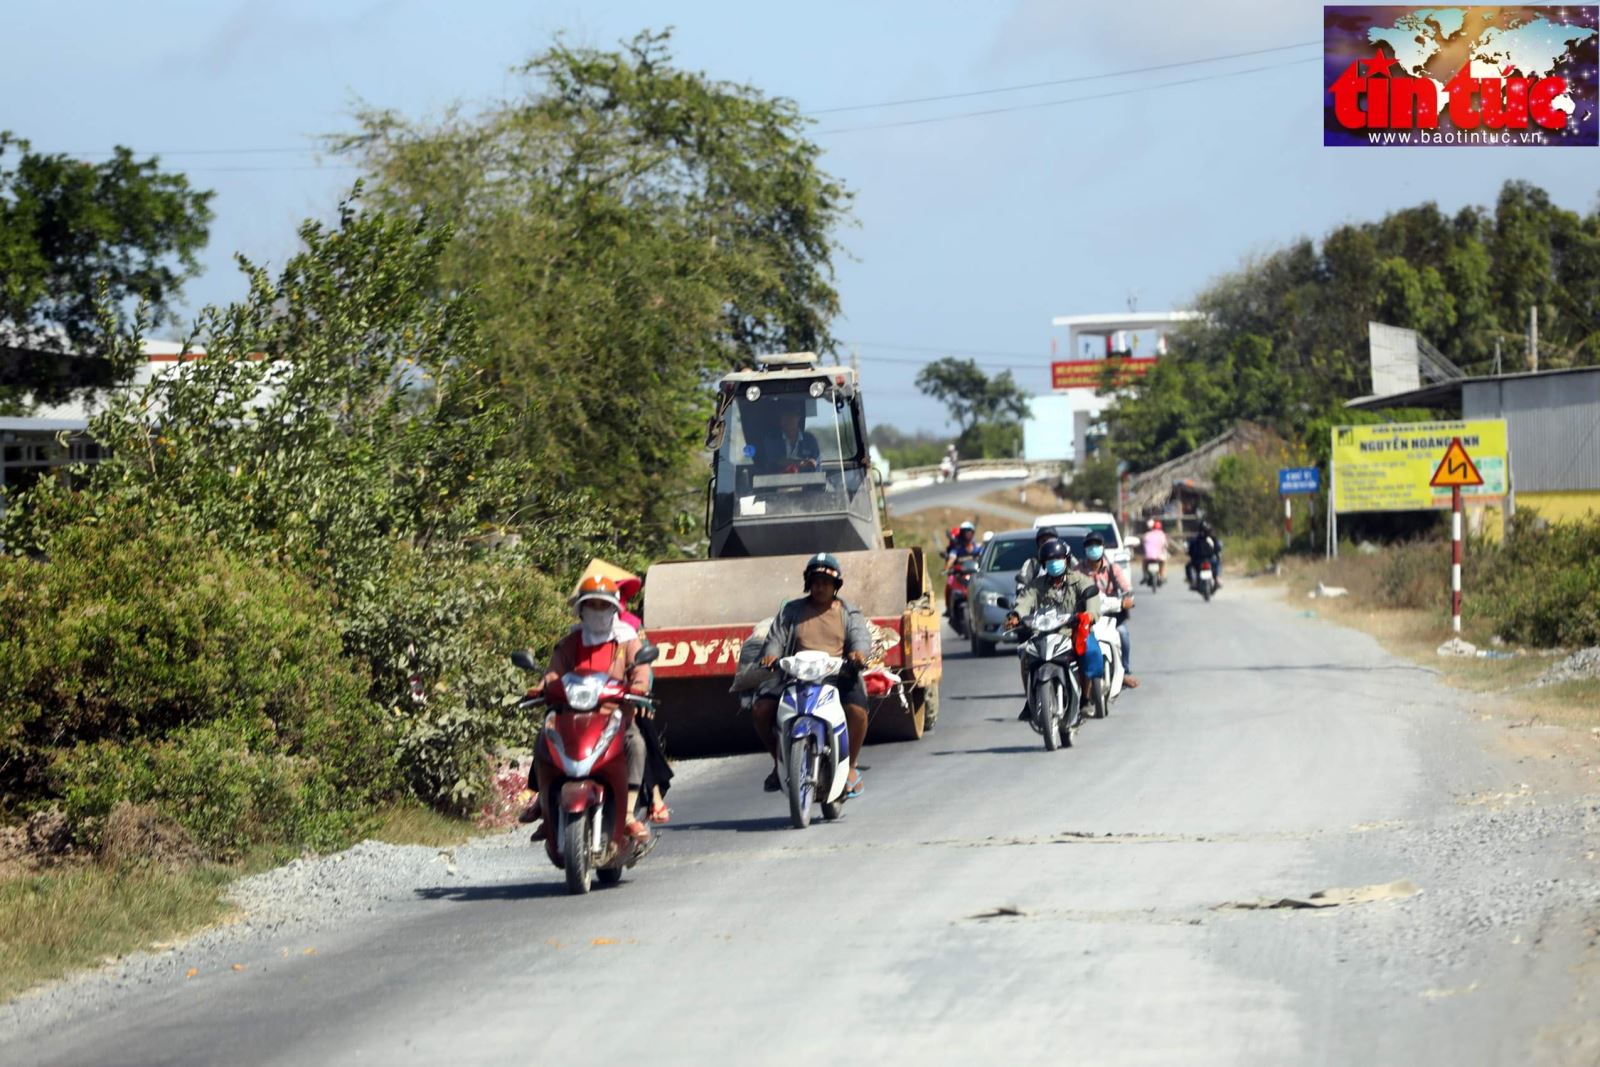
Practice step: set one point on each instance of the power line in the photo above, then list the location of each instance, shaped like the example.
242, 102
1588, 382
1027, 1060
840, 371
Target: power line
1078, 79
1059, 81
1069, 100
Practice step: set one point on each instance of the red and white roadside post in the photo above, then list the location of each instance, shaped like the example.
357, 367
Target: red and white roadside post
1288, 521
1455, 470
1455, 559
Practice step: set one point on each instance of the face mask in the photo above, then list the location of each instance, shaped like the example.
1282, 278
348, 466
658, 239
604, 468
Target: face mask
1095, 551
597, 623
1056, 568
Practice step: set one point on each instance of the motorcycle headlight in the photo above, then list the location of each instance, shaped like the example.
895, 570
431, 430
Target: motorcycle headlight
583, 690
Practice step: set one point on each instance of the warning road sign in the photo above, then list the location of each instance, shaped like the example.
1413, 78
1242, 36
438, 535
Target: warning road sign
1456, 469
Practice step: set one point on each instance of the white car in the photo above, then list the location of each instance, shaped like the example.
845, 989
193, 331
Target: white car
1102, 522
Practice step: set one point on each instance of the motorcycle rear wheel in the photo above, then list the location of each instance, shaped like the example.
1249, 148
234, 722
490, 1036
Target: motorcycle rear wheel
578, 863
1205, 591
800, 784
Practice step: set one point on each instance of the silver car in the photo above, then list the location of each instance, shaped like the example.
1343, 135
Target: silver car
994, 588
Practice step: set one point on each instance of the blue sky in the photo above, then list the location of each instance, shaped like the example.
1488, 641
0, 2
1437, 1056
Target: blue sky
971, 234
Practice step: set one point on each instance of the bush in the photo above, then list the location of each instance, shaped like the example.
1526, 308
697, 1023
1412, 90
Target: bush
1543, 586
1244, 496
141, 664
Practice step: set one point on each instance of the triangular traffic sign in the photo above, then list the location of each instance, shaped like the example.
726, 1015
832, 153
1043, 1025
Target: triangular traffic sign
1456, 469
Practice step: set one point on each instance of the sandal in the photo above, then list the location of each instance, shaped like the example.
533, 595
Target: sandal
638, 830
852, 788
660, 814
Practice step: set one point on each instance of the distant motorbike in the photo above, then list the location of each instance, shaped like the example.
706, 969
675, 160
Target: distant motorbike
949, 470
1055, 692
1152, 575
1205, 579
957, 580
586, 787
813, 737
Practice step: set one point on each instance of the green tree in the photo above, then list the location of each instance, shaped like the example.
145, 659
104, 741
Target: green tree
988, 409
627, 230
77, 238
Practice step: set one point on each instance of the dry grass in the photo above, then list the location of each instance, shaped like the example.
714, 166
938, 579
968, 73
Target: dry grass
413, 824
1417, 635
69, 917
1035, 498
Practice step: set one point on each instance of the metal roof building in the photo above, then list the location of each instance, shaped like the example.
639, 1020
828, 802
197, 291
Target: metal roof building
1552, 428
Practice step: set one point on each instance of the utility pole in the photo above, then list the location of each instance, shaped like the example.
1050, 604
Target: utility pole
1497, 355
1533, 338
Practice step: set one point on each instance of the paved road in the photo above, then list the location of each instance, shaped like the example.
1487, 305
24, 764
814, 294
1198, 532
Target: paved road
1267, 756
950, 494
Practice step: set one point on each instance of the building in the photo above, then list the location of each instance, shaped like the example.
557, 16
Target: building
1065, 423
1552, 431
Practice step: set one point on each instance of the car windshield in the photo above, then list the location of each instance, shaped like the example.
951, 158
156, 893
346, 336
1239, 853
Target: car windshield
1009, 555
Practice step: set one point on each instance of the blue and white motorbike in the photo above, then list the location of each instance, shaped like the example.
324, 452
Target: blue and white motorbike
813, 739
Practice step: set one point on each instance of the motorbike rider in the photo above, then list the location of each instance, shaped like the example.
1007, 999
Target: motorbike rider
963, 545
1155, 547
1058, 584
1204, 547
600, 644
1113, 583
820, 621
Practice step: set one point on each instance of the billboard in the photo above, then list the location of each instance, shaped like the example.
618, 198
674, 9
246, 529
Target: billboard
1388, 467
1091, 373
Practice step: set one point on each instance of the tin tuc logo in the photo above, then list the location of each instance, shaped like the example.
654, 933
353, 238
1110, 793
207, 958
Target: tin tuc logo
1505, 76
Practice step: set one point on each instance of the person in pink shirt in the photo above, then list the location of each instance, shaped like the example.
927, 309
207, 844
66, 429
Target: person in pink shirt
1155, 547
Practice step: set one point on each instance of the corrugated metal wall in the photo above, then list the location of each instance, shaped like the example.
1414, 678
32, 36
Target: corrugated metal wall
1552, 427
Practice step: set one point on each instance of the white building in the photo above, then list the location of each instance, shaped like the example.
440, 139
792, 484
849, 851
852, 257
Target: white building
1061, 422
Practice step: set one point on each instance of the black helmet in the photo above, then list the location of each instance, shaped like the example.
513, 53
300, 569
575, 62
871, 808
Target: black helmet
1056, 549
824, 563
1043, 534
1094, 538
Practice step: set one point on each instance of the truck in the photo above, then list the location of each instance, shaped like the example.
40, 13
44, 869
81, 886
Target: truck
791, 476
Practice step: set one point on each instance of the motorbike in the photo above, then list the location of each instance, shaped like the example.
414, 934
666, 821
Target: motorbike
1105, 689
1205, 579
1055, 693
1152, 575
586, 789
813, 738
949, 470
957, 580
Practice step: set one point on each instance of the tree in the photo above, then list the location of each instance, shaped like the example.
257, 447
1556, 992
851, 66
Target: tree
989, 410
77, 238
627, 231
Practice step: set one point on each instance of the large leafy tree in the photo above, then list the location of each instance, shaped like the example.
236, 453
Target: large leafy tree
989, 409
1285, 338
79, 238
627, 230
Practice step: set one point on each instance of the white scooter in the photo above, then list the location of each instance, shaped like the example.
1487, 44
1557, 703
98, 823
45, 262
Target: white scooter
813, 738
1108, 686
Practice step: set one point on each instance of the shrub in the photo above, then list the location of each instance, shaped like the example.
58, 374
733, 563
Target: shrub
142, 664
1543, 586
1244, 498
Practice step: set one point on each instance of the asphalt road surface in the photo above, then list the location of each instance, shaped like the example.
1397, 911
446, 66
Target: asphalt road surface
988, 902
949, 494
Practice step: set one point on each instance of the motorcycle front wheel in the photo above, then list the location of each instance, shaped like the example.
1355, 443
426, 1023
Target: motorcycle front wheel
1049, 715
800, 784
579, 864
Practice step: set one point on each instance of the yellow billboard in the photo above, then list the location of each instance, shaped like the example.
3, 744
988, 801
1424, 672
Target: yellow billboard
1387, 467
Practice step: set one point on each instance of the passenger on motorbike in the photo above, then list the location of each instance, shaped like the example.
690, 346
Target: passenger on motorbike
820, 621
1155, 547
600, 644
1113, 583
1059, 585
1204, 547
1030, 567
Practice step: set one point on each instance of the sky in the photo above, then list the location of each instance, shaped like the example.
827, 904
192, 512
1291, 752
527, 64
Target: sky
970, 233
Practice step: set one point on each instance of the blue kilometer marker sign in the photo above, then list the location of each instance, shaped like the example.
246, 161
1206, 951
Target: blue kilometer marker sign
1293, 480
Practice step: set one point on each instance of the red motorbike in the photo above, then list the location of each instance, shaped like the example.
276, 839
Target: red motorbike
957, 579
585, 795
